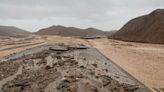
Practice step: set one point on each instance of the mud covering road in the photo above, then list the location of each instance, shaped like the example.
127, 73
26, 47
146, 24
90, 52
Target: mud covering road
64, 68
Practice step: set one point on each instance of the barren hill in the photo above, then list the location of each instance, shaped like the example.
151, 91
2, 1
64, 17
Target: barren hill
70, 31
148, 28
12, 31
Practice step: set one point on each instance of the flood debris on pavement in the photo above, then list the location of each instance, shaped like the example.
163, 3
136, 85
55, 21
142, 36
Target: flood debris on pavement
66, 68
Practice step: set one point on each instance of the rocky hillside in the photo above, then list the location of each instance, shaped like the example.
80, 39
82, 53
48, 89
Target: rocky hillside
70, 31
148, 28
12, 31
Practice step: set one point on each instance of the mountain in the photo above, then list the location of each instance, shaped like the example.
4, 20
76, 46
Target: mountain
110, 33
12, 31
70, 31
148, 28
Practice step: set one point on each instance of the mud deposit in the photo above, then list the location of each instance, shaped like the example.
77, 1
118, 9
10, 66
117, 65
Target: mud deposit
63, 68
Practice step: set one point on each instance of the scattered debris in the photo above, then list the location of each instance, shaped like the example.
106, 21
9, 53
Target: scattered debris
59, 48
22, 83
70, 70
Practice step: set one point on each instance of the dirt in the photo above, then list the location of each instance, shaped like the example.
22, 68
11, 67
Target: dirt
8, 68
11, 45
4, 81
25, 45
143, 61
73, 70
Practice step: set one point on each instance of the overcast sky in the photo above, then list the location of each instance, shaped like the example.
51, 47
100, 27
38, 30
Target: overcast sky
102, 14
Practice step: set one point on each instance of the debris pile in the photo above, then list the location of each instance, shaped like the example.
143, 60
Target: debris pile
63, 68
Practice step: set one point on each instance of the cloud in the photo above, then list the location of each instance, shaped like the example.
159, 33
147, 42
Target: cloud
104, 14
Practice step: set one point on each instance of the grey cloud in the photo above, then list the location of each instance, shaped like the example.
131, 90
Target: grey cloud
46, 8
103, 14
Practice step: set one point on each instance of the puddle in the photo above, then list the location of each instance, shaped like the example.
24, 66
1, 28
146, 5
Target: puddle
4, 81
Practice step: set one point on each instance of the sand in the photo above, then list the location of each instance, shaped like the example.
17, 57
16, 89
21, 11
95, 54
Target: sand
143, 61
37, 39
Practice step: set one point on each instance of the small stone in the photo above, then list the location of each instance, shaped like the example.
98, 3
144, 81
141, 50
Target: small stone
95, 65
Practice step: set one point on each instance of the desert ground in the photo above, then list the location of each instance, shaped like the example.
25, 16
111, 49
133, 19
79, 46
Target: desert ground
13, 45
143, 61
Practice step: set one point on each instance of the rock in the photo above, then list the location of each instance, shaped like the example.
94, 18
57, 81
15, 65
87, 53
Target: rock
50, 62
77, 47
82, 67
62, 84
72, 88
48, 67
94, 89
59, 48
90, 88
106, 80
95, 65
22, 83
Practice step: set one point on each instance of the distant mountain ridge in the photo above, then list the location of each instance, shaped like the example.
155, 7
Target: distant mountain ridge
148, 28
12, 31
70, 31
